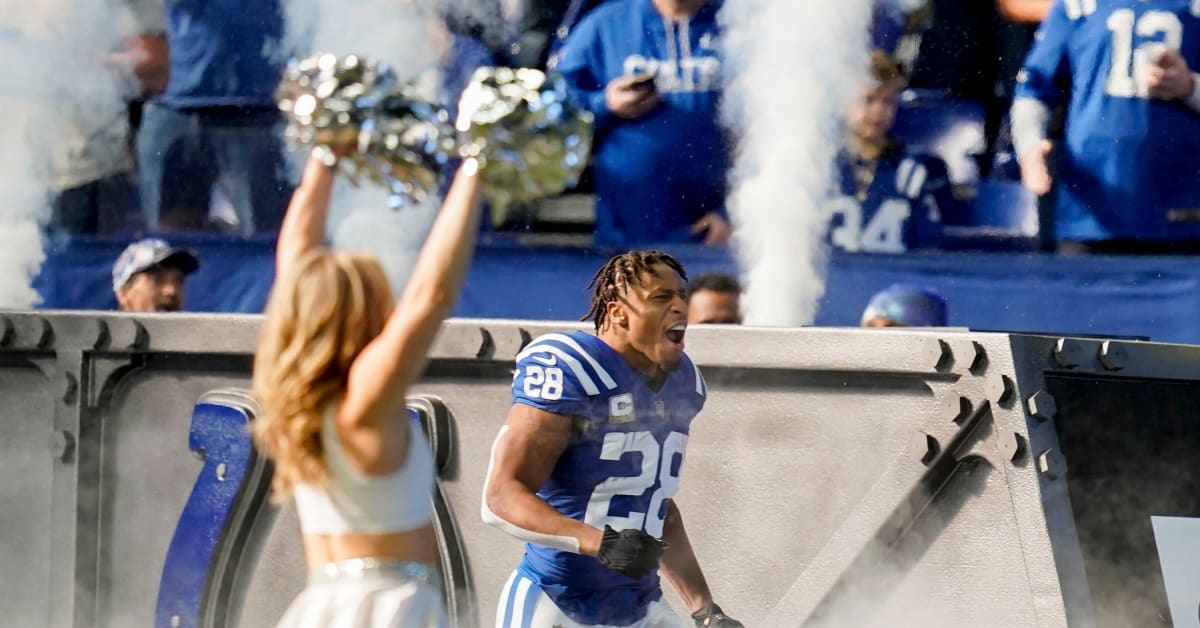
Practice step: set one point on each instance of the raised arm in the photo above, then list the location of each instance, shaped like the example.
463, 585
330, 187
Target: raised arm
303, 227
383, 371
523, 456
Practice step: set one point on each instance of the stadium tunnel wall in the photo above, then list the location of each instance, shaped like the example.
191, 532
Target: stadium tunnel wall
837, 477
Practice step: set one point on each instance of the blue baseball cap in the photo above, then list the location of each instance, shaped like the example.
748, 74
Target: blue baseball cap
151, 253
909, 306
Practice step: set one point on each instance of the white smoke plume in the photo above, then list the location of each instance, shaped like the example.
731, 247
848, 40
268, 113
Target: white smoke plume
59, 96
793, 69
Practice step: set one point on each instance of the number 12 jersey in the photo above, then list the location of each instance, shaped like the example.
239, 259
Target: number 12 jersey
619, 469
1131, 164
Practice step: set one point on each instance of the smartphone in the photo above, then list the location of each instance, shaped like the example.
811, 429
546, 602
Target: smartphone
642, 81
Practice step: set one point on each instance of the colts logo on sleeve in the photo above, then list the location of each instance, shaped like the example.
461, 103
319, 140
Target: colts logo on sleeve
620, 408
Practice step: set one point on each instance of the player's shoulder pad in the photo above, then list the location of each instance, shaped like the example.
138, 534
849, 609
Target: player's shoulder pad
559, 350
701, 386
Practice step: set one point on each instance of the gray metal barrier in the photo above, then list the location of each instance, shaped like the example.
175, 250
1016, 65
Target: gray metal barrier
838, 477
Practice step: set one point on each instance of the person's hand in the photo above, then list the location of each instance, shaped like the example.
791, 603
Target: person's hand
1169, 77
1035, 174
146, 59
626, 100
630, 552
713, 226
711, 616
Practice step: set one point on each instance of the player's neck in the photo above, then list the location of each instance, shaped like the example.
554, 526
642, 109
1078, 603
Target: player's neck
677, 9
638, 360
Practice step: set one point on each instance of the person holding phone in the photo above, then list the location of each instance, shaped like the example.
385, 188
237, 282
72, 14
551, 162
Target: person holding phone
650, 72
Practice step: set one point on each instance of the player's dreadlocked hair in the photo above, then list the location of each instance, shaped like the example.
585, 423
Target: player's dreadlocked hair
616, 275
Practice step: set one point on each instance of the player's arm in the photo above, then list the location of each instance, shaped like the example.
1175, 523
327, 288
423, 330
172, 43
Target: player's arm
1038, 89
682, 570
523, 457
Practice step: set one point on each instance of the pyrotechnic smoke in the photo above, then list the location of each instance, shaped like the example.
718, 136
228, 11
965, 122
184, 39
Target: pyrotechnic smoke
58, 95
793, 69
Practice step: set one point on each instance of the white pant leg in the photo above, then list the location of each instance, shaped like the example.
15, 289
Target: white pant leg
524, 605
532, 608
660, 615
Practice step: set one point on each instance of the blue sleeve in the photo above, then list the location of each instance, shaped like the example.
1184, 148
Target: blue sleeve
1047, 66
581, 65
543, 381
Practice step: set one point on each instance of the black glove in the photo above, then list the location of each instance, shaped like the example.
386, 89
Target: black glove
630, 552
712, 616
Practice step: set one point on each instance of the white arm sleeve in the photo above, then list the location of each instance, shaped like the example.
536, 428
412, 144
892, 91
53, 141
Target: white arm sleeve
1028, 119
564, 543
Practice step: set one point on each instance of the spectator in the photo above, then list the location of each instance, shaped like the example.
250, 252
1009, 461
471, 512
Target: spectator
649, 71
1024, 11
891, 201
149, 274
905, 306
713, 299
217, 121
1126, 172
92, 175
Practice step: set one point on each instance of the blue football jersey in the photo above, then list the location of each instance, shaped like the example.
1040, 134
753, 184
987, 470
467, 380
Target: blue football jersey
889, 206
1130, 164
620, 468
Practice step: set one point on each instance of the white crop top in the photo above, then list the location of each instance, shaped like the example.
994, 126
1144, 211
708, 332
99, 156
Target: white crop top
355, 502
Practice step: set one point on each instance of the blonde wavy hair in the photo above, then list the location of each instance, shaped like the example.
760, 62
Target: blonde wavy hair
320, 315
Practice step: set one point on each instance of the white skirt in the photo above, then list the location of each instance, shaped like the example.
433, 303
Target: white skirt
369, 593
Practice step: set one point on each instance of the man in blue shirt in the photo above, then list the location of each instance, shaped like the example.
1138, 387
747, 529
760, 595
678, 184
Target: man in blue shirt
589, 459
650, 72
217, 121
1129, 169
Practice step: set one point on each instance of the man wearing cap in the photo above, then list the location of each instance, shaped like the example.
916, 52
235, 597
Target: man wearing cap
148, 277
906, 306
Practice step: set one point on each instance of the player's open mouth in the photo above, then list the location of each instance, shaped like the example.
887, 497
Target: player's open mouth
675, 334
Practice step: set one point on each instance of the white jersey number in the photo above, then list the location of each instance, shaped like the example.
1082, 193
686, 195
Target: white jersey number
884, 234
543, 382
657, 465
1127, 76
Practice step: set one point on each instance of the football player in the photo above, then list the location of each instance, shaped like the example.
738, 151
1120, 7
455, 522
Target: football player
586, 466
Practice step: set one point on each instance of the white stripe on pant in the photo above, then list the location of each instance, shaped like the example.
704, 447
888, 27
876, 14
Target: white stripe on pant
524, 605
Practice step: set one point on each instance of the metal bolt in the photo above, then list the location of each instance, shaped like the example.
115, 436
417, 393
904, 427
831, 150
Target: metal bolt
1041, 406
956, 408
999, 388
1064, 354
62, 445
487, 347
928, 446
979, 363
1012, 445
102, 335
1112, 355
1052, 464
70, 388
938, 354
221, 471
